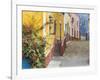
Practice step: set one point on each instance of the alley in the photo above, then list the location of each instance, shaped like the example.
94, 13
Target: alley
76, 54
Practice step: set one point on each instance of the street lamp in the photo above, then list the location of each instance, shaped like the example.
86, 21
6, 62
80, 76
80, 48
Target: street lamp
50, 23
50, 19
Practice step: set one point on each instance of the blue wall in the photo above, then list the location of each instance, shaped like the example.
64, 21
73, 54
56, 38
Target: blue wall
84, 23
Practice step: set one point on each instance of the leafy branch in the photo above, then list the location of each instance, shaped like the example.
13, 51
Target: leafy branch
33, 46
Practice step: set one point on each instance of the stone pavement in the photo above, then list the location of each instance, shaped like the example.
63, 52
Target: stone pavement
76, 54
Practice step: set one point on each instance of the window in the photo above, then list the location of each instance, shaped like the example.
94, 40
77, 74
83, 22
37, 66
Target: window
77, 33
66, 29
72, 20
72, 31
77, 23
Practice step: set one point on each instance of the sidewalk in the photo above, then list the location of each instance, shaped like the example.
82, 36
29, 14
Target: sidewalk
76, 54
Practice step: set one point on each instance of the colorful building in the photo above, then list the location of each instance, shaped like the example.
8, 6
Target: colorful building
49, 26
55, 34
67, 25
84, 26
71, 22
74, 29
53, 29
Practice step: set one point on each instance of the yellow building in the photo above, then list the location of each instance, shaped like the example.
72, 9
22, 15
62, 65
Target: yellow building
47, 25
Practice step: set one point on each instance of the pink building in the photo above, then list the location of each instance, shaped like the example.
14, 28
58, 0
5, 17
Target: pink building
74, 28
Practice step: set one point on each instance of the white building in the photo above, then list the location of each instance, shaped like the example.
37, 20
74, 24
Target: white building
71, 25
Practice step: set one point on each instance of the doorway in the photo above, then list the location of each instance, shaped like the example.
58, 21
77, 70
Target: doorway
58, 41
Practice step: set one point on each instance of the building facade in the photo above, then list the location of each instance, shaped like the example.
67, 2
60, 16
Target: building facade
74, 28
54, 28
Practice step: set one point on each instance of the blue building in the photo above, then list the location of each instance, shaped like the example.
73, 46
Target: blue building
84, 25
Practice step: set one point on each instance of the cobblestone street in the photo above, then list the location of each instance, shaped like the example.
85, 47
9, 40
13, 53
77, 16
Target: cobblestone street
76, 54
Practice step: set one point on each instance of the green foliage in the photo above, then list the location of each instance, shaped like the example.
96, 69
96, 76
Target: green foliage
33, 47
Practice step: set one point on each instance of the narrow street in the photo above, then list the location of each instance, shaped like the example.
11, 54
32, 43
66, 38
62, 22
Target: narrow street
76, 54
